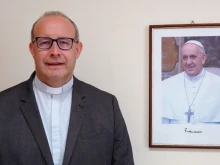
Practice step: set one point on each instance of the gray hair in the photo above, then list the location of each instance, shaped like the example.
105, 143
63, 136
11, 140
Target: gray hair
55, 13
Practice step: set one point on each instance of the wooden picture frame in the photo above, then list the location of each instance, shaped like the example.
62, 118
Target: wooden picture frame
165, 61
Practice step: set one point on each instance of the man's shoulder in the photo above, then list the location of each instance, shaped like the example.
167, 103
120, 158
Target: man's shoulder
13, 91
213, 75
91, 89
94, 96
173, 79
212, 79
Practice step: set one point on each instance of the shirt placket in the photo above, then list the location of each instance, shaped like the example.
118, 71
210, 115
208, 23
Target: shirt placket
55, 129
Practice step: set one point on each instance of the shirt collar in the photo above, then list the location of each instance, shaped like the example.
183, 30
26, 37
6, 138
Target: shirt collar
50, 90
197, 77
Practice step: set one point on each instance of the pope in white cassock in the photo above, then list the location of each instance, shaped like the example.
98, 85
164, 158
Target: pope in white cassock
192, 96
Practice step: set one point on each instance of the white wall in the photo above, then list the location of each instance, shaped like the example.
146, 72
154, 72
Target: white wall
114, 58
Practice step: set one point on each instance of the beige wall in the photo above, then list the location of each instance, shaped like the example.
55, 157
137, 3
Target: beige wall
115, 56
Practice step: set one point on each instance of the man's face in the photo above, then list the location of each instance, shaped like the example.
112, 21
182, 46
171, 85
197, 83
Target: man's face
54, 64
192, 59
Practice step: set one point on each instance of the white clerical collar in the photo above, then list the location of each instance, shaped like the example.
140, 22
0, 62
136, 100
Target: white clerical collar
197, 77
50, 90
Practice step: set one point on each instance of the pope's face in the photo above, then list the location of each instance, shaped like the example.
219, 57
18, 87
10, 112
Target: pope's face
54, 64
192, 59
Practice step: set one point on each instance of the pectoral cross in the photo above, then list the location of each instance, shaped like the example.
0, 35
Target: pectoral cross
189, 114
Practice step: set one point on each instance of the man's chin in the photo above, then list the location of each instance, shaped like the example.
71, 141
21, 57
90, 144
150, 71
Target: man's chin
190, 73
56, 76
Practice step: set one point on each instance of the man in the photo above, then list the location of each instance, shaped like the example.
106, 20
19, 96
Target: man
192, 96
54, 118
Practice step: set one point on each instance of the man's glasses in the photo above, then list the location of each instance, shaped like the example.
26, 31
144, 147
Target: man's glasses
63, 43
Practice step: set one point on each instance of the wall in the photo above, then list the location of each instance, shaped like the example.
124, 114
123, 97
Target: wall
114, 58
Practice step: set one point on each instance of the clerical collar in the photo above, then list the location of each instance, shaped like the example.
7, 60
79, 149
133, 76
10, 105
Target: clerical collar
50, 90
197, 77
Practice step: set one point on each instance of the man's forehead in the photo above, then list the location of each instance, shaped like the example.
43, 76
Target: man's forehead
53, 22
189, 49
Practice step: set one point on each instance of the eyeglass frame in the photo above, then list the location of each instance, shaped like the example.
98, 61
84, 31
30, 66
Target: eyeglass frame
54, 40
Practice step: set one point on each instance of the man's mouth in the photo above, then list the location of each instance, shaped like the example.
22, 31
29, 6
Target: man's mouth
55, 63
190, 67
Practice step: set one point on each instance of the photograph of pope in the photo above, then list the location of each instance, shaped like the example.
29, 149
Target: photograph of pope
192, 94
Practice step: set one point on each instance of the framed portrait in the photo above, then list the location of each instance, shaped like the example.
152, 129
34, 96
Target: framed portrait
184, 87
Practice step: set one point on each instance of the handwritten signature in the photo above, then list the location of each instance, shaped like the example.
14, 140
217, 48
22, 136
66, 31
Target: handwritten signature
190, 131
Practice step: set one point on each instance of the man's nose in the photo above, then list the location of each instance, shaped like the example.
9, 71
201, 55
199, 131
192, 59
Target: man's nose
55, 50
189, 61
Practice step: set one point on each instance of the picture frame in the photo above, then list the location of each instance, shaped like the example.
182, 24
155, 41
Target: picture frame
165, 61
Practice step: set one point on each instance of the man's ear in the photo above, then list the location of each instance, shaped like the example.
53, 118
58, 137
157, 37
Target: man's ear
204, 57
79, 47
31, 48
